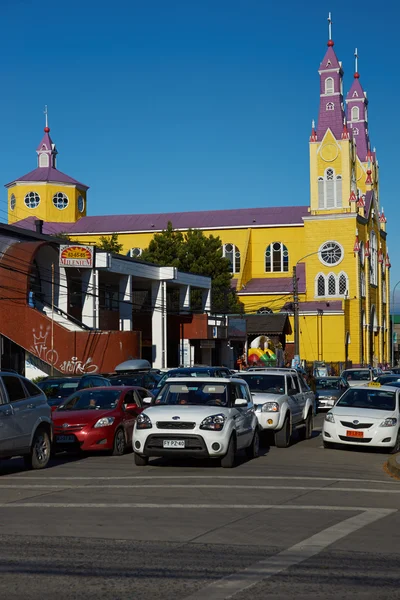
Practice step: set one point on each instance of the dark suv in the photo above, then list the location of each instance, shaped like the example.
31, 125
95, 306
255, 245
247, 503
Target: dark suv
25, 421
60, 388
144, 379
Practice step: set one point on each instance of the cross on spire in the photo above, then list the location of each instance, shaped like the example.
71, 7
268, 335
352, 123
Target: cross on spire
47, 129
329, 26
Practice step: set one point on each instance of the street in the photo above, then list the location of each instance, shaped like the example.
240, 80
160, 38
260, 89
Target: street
300, 521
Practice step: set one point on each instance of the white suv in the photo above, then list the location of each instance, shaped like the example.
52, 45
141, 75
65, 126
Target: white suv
206, 417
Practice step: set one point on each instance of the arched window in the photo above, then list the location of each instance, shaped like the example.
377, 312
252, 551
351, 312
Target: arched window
43, 160
355, 131
330, 106
276, 258
329, 86
331, 285
343, 284
330, 190
232, 253
355, 113
320, 285
13, 202
373, 259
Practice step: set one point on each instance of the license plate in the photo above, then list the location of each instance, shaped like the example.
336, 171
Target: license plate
173, 443
65, 439
358, 434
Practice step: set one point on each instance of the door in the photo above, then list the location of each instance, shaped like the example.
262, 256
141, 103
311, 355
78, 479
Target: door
296, 401
129, 417
249, 413
8, 426
240, 416
24, 411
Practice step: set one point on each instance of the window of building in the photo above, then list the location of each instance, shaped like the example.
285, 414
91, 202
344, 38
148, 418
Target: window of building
355, 113
81, 204
330, 106
342, 286
135, 252
232, 253
320, 285
355, 131
60, 200
363, 288
331, 285
329, 85
43, 160
276, 258
330, 190
331, 253
383, 288
13, 202
32, 200
373, 258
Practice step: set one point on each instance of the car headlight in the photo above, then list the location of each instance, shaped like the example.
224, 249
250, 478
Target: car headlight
213, 422
330, 398
270, 407
143, 422
390, 422
104, 422
330, 418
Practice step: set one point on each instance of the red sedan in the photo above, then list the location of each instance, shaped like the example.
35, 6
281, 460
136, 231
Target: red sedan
98, 419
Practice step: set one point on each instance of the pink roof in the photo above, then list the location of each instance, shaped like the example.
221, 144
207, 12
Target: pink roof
48, 174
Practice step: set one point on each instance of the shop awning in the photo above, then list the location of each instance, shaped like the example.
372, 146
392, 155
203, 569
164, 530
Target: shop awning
272, 324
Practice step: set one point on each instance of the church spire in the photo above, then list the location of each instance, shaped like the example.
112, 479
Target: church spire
357, 114
46, 150
331, 109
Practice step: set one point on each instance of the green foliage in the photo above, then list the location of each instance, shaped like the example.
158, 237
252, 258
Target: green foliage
61, 236
110, 244
194, 252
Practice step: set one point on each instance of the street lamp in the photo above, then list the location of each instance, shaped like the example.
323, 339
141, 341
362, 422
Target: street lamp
394, 289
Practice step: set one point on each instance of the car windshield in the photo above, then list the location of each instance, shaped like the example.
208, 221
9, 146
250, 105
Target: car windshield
192, 373
362, 375
372, 398
325, 384
386, 379
264, 383
59, 389
93, 399
195, 394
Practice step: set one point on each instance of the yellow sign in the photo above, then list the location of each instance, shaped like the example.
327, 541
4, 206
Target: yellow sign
77, 256
374, 384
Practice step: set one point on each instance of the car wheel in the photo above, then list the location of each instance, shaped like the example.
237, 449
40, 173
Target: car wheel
228, 461
253, 450
282, 437
141, 461
119, 443
327, 444
306, 431
40, 451
396, 448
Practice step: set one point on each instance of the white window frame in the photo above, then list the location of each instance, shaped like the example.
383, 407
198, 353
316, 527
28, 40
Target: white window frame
132, 252
330, 106
373, 258
336, 190
236, 257
80, 197
326, 278
329, 85
321, 249
43, 156
56, 198
355, 110
13, 202
283, 249
28, 196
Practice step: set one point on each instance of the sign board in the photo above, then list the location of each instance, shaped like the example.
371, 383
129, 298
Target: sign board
77, 256
237, 327
207, 343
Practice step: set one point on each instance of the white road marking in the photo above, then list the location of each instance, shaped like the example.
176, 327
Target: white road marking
237, 582
195, 487
214, 506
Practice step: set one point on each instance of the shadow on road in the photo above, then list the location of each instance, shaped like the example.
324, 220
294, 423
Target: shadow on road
17, 465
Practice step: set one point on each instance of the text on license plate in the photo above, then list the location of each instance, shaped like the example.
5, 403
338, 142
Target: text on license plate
65, 439
358, 434
173, 443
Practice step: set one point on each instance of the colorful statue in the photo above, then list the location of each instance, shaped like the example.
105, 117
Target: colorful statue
261, 351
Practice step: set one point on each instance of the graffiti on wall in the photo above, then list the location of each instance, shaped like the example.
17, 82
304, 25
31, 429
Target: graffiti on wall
73, 366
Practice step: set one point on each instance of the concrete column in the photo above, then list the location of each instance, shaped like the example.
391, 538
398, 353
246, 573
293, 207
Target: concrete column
184, 298
125, 303
62, 301
90, 296
206, 301
159, 324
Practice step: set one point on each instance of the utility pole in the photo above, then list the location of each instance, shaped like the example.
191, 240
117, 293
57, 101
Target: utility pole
296, 312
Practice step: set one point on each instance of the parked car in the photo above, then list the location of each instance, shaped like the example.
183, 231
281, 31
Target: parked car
329, 390
283, 402
361, 375
203, 417
59, 388
98, 419
193, 372
388, 379
365, 415
25, 421
144, 379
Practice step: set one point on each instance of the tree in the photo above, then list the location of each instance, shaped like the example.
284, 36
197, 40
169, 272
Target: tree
110, 244
62, 235
194, 252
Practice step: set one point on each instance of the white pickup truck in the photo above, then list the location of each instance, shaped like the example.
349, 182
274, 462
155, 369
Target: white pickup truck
283, 402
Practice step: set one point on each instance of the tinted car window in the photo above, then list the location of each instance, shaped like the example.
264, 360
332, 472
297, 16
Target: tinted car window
296, 384
332, 384
194, 393
374, 399
58, 389
14, 387
267, 384
92, 399
31, 388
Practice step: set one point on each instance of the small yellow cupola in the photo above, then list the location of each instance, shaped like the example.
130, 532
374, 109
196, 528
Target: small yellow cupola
46, 193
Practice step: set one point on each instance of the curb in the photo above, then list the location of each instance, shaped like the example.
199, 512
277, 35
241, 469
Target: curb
393, 466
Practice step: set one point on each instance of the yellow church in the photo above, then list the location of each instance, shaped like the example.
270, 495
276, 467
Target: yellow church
336, 246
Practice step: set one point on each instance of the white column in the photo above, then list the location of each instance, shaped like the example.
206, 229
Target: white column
62, 301
159, 323
184, 297
207, 301
125, 303
90, 296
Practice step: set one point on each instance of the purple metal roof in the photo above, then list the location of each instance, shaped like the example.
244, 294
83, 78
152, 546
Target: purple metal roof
334, 306
278, 285
330, 56
242, 217
333, 118
361, 137
48, 174
48, 228
46, 141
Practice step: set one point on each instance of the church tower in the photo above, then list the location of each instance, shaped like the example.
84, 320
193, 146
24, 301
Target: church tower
46, 193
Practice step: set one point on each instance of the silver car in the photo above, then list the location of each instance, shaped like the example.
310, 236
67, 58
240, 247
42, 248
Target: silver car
25, 421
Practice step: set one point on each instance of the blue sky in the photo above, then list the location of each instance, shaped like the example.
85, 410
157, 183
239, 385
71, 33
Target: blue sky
186, 104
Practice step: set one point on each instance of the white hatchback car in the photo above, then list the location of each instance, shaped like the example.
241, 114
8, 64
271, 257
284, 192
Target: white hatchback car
206, 417
365, 415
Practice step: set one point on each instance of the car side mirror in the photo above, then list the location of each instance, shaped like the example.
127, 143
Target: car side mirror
240, 402
147, 400
292, 391
131, 407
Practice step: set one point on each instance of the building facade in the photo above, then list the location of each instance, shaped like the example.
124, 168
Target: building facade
337, 242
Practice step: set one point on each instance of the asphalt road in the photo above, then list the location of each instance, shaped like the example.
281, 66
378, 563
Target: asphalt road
301, 521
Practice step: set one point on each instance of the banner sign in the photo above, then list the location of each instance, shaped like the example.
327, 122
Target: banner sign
77, 256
